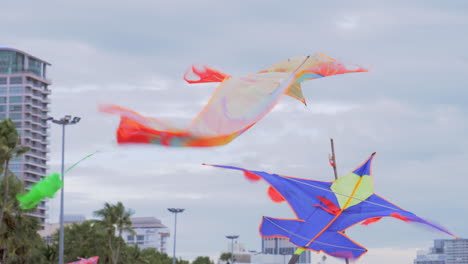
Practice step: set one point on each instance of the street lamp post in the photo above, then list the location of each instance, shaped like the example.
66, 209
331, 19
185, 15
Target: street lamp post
175, 211
232, 237
66, 120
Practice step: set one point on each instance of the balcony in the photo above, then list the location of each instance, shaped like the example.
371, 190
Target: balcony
35, 75
34, 171
31, 179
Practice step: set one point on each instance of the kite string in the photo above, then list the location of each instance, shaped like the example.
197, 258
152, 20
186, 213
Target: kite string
305, 238
76, 163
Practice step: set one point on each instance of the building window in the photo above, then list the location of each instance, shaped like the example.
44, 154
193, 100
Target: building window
35, 66
3, 80
18, 125
2, 100
14, 108
16, 90
3, 90
16, 80
16, 99
130, 238
2, 108
2, 116
140, 239
16, 116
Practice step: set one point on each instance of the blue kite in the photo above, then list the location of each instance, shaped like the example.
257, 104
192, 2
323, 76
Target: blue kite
324, 210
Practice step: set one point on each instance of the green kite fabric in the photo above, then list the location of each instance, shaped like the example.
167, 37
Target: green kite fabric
47, 187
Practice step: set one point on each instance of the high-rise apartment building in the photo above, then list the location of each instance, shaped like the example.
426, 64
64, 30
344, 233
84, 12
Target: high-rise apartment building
24, 91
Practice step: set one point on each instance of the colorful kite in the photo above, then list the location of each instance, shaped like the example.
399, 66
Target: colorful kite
46, 188
324, 210
236, 105
93, 260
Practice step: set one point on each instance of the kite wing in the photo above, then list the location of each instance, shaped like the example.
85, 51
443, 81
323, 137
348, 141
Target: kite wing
236, 105
325, 209
373, 209
304, 196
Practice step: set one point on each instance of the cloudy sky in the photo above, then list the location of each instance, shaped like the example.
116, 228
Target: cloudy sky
411, 108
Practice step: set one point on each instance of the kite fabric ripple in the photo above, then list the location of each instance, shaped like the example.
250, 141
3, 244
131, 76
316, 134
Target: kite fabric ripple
324, 210
236, 105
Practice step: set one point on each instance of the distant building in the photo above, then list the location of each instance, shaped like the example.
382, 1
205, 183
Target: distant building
283, 249
73, 218
49, 229
24, 91
150, 233
445, 251
456, 251
274, 251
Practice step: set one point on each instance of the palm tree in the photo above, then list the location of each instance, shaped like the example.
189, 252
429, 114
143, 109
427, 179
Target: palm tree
19, 239
115, 218
9, 148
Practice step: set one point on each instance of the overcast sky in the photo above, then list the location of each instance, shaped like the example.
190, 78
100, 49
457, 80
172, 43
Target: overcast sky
411, 108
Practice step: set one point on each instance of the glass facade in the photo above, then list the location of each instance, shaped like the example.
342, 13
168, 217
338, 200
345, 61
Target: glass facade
11, 62
15, 99
35, 66
16, 90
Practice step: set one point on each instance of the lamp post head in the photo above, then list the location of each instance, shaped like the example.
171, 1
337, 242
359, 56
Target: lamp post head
232, 236
76, 119
175, 210
66, 120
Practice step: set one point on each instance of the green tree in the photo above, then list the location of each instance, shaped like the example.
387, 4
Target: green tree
50, 253
9, 148
84, 240
19, 241
226, 256
115, 219
202, 260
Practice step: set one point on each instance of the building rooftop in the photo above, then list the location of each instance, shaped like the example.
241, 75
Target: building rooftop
146, 222
22, 52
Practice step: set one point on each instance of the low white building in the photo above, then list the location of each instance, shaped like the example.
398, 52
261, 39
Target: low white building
149, 233
280, 250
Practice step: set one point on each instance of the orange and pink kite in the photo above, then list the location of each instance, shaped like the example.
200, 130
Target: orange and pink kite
237, 104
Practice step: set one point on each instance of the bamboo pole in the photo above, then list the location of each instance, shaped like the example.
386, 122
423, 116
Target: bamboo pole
333, 164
